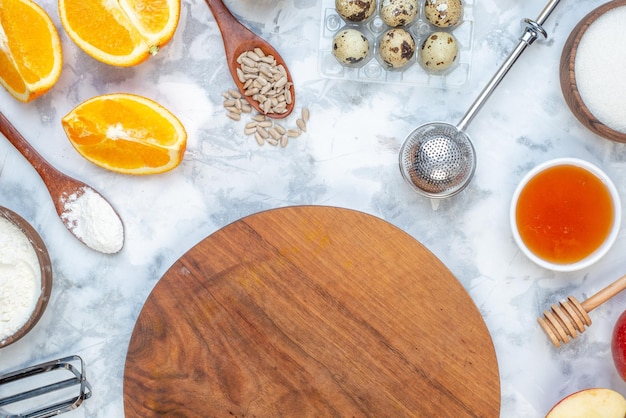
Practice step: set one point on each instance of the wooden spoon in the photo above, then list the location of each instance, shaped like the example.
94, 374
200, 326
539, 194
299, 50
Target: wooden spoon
62, 189
239, 39
564, 320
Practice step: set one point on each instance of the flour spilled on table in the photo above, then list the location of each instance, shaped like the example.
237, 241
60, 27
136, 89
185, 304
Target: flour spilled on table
20, 278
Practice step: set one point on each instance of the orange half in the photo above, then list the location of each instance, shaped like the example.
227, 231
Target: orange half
30, 50
126, 133
122, 32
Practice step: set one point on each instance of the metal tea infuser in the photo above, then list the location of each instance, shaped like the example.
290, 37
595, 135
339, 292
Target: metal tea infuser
438, 159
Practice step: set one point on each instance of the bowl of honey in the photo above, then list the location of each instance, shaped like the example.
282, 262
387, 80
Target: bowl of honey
565, 214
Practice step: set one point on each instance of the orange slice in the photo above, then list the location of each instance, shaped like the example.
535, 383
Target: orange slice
30, 50
121, 32
126, 134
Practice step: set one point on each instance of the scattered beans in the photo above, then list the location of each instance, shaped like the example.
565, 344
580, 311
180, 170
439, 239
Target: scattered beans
262, 127
301, 125
261, 130
293, 133
234, 116
274, 133
280, 129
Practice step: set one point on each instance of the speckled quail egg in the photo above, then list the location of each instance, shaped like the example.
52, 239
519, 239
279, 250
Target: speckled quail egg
355, 10
439, 51
398, 12
350, 46
396, 48
444, 13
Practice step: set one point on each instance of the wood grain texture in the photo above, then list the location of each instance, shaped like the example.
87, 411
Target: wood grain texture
568, 75
239, 39
310, 312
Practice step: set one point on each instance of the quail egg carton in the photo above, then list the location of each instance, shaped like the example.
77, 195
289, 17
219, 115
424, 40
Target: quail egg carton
372, 70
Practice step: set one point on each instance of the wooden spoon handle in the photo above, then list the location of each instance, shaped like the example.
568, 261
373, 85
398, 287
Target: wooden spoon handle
57, 183
44, 169
234, 33
605, 294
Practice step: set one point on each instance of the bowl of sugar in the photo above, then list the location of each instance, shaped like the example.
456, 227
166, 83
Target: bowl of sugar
592, 71
25, 277
565, 214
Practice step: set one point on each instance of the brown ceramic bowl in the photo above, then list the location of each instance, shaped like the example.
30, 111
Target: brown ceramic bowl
46, 274
568, 76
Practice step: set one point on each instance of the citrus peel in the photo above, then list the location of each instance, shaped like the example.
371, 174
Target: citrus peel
30, 50
126, 133
121, 33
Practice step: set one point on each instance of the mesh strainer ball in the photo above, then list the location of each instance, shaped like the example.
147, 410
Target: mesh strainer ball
437, 160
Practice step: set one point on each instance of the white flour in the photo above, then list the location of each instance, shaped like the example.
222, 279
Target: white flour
20, 278
94, 221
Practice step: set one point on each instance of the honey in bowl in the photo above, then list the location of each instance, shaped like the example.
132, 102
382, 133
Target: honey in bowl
565, 214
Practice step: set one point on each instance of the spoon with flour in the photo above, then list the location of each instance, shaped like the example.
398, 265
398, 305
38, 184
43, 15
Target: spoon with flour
84, 211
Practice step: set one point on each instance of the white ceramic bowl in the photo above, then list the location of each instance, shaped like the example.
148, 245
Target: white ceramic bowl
598, 252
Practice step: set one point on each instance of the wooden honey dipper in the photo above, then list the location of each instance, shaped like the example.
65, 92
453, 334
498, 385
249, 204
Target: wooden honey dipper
570, 317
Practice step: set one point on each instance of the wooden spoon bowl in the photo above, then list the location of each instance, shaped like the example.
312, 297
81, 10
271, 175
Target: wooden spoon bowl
237, 40
568, 76
60, 186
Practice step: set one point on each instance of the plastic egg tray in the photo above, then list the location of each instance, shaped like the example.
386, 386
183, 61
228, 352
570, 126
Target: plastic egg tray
373, 70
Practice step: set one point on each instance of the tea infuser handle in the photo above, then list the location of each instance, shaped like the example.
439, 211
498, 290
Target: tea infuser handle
543, 16
531, 31
534, 28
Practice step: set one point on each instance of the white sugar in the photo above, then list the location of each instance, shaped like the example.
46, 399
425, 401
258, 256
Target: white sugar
600, 67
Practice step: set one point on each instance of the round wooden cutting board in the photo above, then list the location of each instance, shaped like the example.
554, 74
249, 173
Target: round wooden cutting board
310, 311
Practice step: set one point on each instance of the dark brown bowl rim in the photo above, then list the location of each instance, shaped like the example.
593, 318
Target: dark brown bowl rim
568, 77
46, 274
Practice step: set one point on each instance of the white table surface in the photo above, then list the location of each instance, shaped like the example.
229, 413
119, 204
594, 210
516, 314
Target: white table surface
347, 158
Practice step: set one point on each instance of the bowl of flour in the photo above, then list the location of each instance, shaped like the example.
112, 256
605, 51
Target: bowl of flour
25, 277
592, 71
